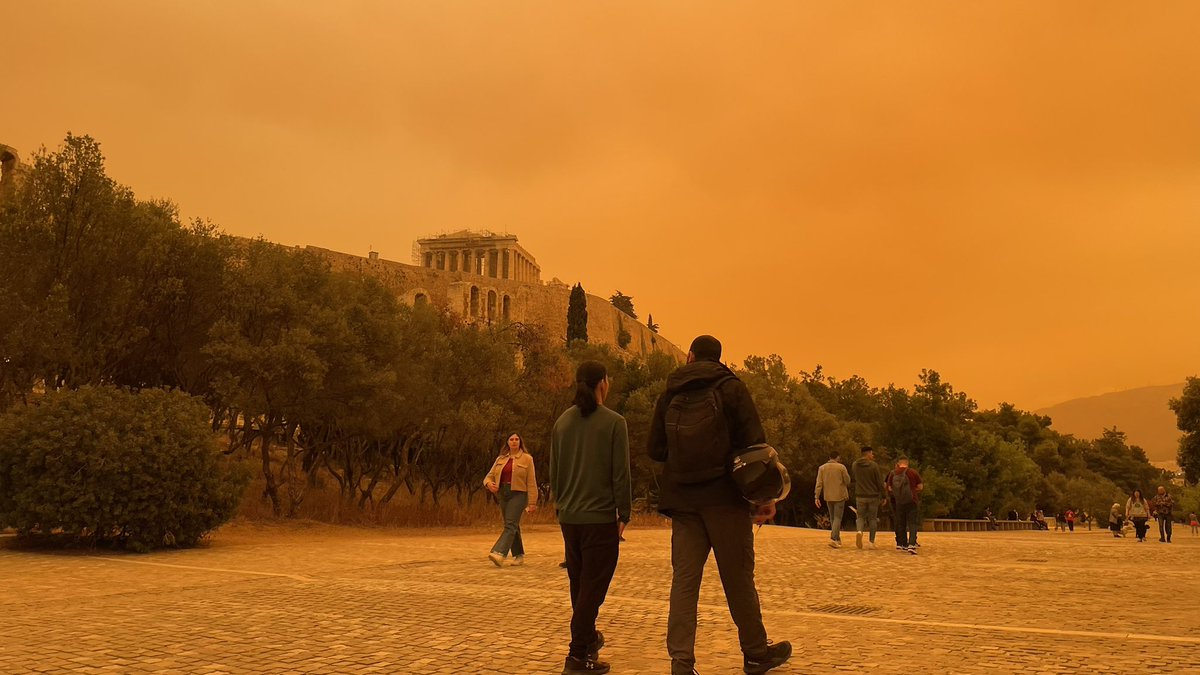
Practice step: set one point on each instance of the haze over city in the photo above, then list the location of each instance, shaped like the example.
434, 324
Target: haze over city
1003, 192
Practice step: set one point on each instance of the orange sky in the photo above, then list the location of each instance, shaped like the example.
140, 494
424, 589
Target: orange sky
1007, 192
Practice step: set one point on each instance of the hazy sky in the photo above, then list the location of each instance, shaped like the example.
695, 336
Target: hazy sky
1007, 192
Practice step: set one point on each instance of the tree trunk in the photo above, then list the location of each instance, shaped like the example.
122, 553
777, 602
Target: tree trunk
271, 489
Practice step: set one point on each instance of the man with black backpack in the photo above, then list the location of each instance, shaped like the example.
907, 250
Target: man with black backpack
904, 487
700, 422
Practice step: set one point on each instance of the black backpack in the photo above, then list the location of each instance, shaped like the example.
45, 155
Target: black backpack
698, 445
901, 488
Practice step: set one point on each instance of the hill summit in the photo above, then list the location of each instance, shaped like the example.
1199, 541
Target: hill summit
1141, 413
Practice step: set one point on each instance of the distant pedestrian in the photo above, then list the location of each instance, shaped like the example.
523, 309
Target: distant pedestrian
833, 486
1163, 505
1195, 524
1060, 521
589, 478
1137, 510
513, 480
1070, 519
1115, 520
904, 487
991, 520
868, 494
1087, 520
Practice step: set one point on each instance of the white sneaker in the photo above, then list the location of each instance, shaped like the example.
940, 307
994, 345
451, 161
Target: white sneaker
871, 545
518, 561
496, 558
834, 543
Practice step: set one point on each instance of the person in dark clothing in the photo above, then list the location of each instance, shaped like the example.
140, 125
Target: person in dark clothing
904, 486
710, 514
589, 478
868, 493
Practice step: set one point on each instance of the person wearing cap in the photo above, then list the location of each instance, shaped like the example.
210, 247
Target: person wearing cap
590, 481
708, 511
869, 492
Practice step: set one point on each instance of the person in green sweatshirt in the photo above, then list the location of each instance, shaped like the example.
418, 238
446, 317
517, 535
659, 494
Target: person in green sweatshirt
589, 479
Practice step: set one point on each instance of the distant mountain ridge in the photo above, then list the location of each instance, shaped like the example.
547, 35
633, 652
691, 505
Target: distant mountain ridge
1141, 413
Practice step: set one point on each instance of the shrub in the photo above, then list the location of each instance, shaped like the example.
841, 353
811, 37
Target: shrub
107, 465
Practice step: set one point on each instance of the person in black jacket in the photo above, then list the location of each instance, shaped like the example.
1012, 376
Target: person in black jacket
711, 515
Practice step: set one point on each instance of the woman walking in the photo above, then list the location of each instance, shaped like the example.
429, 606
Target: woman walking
1195, 524
1114, 520
514, 481
1137, 509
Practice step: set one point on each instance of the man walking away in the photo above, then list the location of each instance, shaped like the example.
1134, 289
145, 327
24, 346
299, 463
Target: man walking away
706, 508
904, 485
589, 478
833, 483
1163, 505
868, 493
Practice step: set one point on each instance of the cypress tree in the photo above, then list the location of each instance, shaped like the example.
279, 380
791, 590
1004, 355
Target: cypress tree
577, 315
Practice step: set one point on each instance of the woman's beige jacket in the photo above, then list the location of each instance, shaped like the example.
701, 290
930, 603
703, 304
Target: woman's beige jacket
524, 478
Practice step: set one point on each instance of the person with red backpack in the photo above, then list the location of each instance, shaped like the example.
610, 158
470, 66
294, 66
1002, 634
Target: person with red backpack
700, 423
904, 488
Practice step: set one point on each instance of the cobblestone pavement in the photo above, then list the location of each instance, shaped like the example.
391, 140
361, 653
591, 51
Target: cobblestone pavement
339, 600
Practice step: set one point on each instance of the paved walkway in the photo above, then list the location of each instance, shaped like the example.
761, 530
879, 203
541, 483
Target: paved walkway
320, 599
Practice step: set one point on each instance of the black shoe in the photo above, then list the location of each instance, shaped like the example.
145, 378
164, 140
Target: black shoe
596, 646
574, 665
563, 564
776, 655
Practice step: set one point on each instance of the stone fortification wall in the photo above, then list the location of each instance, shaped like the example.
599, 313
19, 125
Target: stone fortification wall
487, 299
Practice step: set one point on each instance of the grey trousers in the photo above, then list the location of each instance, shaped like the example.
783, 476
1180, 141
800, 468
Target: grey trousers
727, 532
868, 515
836, 511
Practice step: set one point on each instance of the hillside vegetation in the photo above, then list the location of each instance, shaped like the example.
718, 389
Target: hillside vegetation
325, 382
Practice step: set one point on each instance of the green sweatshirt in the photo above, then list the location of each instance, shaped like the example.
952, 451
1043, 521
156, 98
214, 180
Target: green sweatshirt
589, 467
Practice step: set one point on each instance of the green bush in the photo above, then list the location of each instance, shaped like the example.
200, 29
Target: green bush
107, 465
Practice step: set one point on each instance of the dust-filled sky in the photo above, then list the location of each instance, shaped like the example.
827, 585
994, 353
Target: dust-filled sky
1007, 192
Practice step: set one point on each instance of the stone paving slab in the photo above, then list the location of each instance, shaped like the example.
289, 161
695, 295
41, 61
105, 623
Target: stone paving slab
342, 600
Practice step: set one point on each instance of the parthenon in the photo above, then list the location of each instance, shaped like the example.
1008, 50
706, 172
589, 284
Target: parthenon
498, 256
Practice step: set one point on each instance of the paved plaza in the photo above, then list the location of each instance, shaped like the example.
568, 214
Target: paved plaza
320, 599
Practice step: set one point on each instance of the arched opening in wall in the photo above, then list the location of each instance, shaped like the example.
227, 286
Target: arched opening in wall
507, 311
474, 302
491, 316
420, 299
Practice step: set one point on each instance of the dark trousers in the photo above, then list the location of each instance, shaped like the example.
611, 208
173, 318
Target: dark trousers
727, 532
592, 552
906, 524
1164, 527
1140, 526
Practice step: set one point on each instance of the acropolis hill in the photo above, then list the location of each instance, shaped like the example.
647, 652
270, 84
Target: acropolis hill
490, 278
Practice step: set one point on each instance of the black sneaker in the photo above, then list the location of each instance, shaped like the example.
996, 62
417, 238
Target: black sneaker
574, 665
776, 655
596, 646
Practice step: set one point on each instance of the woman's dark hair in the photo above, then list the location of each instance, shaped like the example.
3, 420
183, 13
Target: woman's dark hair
587, 376
1137, 492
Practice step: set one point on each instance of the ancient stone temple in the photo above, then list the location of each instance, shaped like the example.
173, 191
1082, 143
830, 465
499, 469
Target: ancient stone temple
489, 279
483, 253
